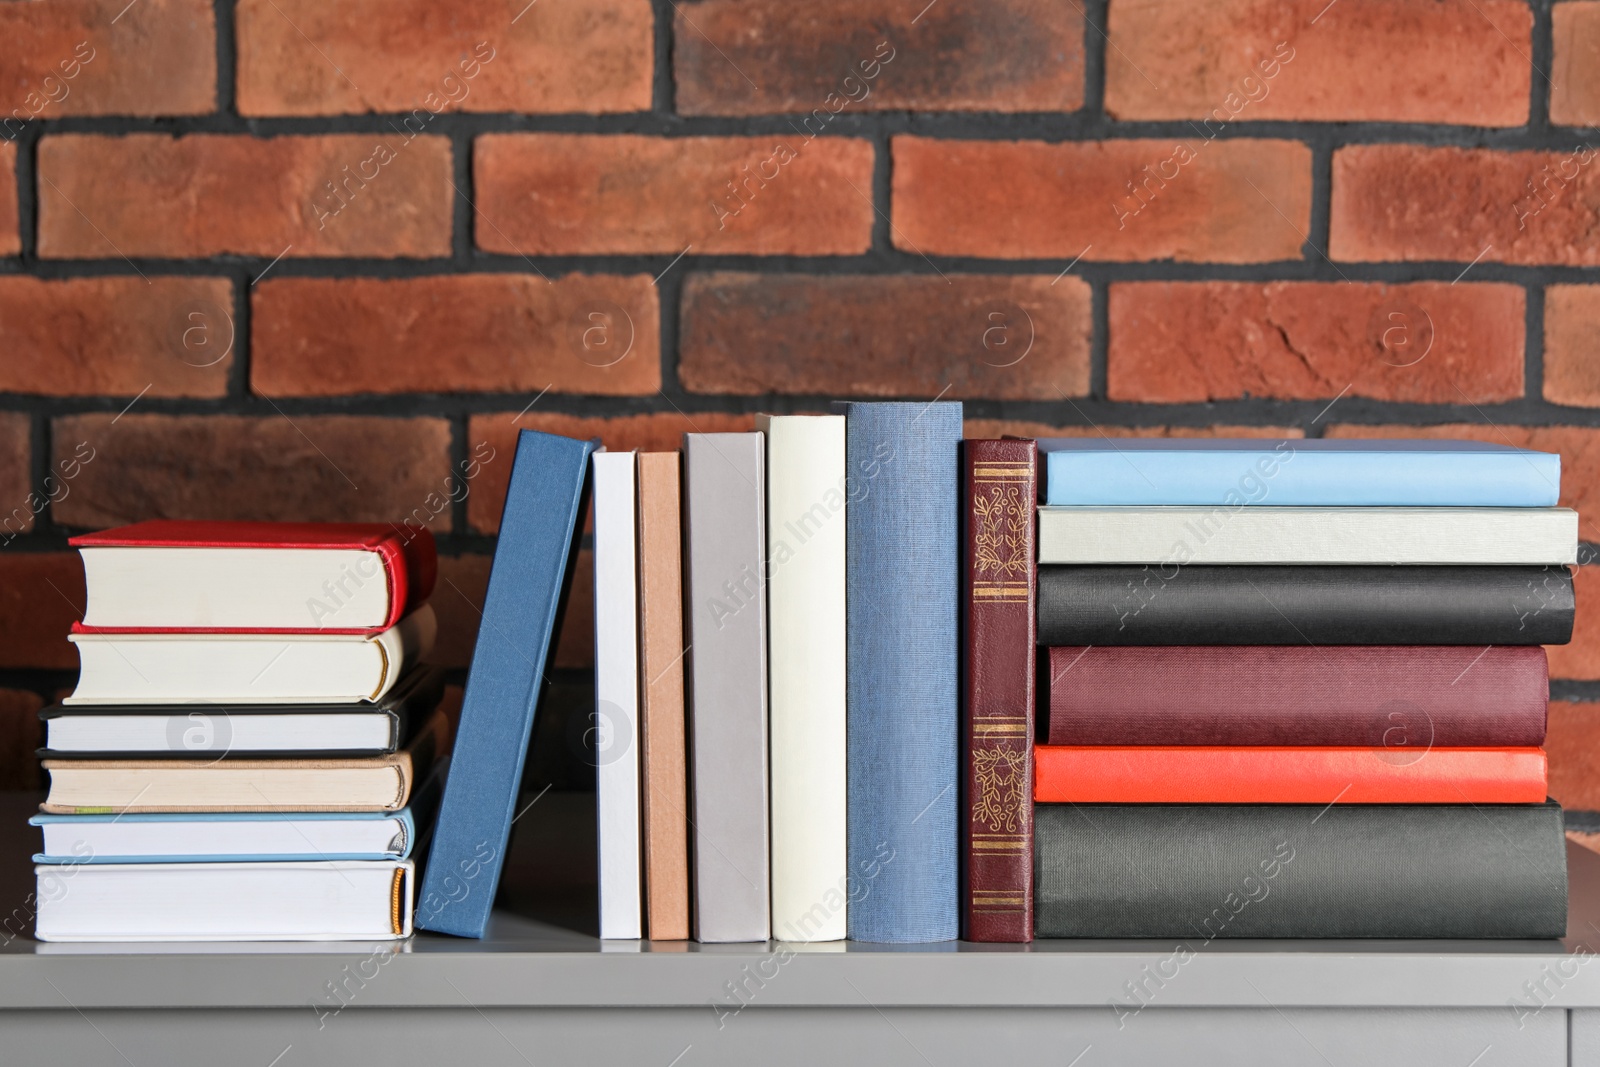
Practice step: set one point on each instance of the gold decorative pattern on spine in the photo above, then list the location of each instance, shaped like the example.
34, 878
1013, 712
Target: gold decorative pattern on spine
396, 896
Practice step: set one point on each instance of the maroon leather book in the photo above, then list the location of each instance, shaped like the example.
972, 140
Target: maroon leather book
1000, 584
1399, 697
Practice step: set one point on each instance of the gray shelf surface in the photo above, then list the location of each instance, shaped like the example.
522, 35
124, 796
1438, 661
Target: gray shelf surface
541, 988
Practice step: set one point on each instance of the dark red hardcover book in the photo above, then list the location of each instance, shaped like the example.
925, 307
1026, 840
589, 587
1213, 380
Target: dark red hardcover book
1385, 696
1000, 586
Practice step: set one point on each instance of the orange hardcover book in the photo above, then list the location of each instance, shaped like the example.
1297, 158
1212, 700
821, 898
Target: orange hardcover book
1192, 774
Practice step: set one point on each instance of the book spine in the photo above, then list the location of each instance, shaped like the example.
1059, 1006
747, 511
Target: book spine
1417, 697
1158, 604
1202, 872
1153, 774
615, 722
806, 508
661, 652
1001, 485
902, 608
727, 614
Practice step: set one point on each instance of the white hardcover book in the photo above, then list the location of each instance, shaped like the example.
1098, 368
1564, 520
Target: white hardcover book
806, 499
1254, 534
615, 726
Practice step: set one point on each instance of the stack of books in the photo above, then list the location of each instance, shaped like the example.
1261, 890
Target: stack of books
251, 719
1296, 689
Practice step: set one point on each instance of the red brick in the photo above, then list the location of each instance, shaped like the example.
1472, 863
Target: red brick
108, 57
21, 735
458, 600
1021, 428
1572, 743
1579, 448
124, 335
1246, 60
18, 505
597, 334
1409, 202
493, 438
10, 239
309, 468
829, 57
1233, 201
1174, 342
921, 335
1575, 73
576, 194
1571, 339
469, 55
1580, 660
41, 596
148, 194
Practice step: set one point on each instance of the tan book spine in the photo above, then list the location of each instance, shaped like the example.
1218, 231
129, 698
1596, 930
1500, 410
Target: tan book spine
661, 655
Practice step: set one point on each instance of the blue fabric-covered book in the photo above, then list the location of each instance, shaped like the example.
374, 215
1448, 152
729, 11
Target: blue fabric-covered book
527, 585
902, 710
1098, 471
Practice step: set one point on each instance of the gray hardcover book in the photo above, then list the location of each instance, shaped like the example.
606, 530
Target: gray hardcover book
724, 512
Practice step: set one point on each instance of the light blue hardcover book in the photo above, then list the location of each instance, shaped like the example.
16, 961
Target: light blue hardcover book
902, 701
234, 837
1101, 472
527, 583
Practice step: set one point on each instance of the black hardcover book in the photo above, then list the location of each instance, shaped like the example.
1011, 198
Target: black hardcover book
244, 731
1206, 871
1165, 604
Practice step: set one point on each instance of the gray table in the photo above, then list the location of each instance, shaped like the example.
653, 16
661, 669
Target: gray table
540, 990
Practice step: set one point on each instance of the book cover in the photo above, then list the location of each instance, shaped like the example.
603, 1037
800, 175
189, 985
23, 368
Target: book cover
614, 725
1298, 473
806, 606
903, 576
1201, 774
725, 523
528, 583
1178, 536
1166, 604
1413, 697
1000, 486
1202, 872
661, 656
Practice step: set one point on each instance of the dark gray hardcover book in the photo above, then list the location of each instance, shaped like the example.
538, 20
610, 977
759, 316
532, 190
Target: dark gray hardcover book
726, 611
1165, 604
1204, 871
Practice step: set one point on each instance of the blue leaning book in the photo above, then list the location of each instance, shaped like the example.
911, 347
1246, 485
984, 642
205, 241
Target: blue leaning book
527, 583
902, 701
234, 837
1225, 472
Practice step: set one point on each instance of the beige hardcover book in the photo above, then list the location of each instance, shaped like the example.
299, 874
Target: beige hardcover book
661, 656
382, 783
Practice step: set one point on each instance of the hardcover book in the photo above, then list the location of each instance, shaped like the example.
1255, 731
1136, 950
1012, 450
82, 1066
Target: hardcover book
725, 523
903, 579
1298, 473
1167, 604
1417, 697
528, 584
806, 605
1202, 872
237, 836
1000, 484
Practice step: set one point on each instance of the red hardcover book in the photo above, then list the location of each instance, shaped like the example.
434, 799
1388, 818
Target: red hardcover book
1194, 774
1413, 696
999, 594
225, 577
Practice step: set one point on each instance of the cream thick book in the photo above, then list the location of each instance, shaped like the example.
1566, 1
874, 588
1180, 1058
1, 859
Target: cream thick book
380, 783
1252, 534
806, 500
248, 668
303, 901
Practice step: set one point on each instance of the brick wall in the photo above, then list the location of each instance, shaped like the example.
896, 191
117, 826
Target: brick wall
290, 259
